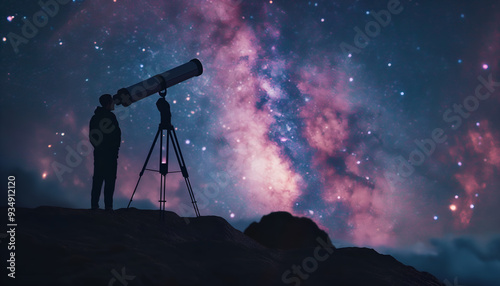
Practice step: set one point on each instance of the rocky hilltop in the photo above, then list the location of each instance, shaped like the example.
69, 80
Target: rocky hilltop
61, 246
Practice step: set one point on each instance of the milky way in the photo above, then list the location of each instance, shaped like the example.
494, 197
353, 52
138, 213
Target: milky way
284, 117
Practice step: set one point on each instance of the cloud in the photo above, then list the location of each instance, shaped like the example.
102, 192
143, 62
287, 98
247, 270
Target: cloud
470, 260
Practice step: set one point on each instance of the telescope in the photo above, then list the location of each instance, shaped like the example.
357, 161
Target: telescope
158, 83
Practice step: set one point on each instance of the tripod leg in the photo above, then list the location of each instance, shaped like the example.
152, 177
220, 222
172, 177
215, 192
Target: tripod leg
193, 199
182, 166
178, 153
163, 172
163, 184
145, 165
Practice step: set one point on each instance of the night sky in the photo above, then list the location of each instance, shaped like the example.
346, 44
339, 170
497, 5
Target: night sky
385, 133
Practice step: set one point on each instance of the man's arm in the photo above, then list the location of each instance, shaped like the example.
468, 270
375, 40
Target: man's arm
92, 127
116, 134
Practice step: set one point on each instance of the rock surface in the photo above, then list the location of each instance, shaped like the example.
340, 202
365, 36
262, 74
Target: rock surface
60, 246
281, 230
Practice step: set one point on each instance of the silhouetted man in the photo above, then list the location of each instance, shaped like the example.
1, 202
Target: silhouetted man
105, 136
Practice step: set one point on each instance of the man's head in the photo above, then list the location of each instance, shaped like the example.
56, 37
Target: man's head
107, 102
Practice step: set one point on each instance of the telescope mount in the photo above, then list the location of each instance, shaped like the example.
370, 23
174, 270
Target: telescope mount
165, 125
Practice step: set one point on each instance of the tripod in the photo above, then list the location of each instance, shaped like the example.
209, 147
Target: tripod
166, 125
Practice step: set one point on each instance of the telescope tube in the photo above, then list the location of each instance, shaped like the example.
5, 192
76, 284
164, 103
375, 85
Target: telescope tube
157, 83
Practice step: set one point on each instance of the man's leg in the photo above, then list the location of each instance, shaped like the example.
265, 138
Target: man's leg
97, 180
96, 190
109, 187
